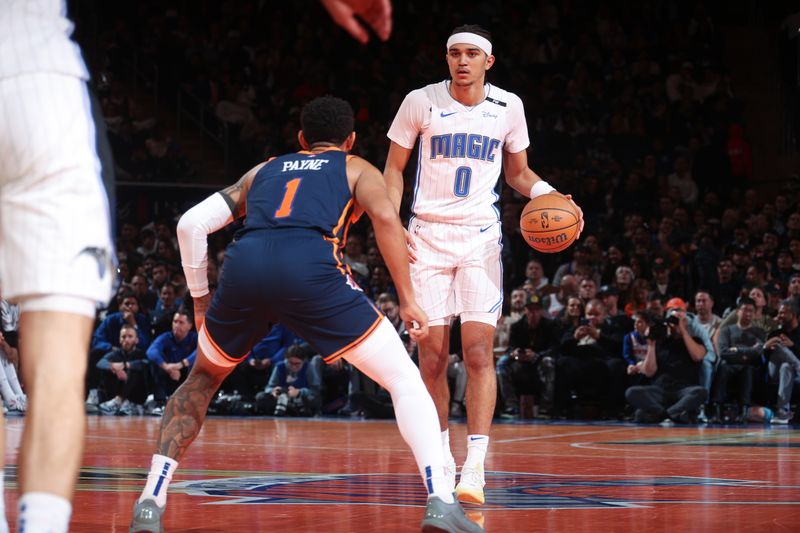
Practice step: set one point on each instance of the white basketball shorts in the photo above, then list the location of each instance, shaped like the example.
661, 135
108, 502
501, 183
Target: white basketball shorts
54, 222
458, 271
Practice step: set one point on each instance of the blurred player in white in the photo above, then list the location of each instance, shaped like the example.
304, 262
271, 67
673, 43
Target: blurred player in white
467, 130
55, 246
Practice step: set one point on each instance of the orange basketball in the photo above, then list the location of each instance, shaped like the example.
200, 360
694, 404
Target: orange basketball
549, 223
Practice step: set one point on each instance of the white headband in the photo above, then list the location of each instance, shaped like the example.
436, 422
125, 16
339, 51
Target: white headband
470, 38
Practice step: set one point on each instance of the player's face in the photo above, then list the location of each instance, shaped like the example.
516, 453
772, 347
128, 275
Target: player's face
468, 64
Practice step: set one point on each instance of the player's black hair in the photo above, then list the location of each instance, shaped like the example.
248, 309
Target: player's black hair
327, 119
473, 28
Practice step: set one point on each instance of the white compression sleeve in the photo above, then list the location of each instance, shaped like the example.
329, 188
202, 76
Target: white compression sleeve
383, 358
208, 216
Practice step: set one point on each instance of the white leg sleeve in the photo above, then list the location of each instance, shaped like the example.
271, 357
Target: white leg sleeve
383, 358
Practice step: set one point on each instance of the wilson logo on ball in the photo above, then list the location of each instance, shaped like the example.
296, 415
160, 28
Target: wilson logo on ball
549, 223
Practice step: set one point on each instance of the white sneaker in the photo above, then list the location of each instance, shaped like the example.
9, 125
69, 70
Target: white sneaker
93, 398
450, 473
470, 485
111, 407
17, 404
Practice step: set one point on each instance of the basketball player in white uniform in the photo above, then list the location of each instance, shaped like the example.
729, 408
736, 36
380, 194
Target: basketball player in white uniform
467, 130
55, 246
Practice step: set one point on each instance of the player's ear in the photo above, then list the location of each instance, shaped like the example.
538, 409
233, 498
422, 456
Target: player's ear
489, 62
349, 142
302, 140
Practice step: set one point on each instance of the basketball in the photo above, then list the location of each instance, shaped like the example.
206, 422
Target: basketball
549, 223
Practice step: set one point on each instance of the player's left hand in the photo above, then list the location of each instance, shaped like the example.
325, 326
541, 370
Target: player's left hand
376, 13
416, 321
580, 215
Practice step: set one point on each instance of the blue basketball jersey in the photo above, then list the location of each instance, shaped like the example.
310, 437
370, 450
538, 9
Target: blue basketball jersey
286, 262
301, 190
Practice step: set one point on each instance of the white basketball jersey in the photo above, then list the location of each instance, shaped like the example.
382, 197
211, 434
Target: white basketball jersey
35, 37
460, 152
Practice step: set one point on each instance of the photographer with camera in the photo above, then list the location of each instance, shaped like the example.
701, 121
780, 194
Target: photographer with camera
782, 348
673, 360
294, 386
528, 367
741, 348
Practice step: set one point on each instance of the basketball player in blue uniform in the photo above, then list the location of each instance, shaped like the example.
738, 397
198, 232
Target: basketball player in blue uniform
286, 265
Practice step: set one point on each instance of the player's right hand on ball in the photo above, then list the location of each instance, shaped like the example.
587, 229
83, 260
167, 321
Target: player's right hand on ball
416, 321
580, 215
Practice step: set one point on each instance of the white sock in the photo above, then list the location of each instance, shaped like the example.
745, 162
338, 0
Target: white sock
13, 380
476, 449
161, 470
40, 512
448, 454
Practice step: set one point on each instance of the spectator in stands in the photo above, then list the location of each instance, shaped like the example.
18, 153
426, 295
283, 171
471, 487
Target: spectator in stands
516, 310
782, 351
587, 290
741, 348
107, 336
554, 302
528, 367
147, 298
14, 399
534, 272
592, 361
727, 288
167, 305
159, 276
125, 378
171, 355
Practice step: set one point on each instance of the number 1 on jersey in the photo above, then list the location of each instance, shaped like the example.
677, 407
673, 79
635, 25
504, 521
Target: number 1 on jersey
286, 205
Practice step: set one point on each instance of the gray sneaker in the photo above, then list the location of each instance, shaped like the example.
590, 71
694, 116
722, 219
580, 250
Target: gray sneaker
146, 518
443, 517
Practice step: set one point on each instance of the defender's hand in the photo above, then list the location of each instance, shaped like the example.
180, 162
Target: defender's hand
376, 13
416, 321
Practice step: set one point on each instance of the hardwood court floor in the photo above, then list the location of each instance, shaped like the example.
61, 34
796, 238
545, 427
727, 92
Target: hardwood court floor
333, 476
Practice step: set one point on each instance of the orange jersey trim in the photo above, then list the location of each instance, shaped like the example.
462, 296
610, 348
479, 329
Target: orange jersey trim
222, 352
328, 149
342, 352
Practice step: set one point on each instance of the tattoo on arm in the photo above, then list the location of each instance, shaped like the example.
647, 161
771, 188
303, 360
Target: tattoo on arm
234, 197
185, 413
